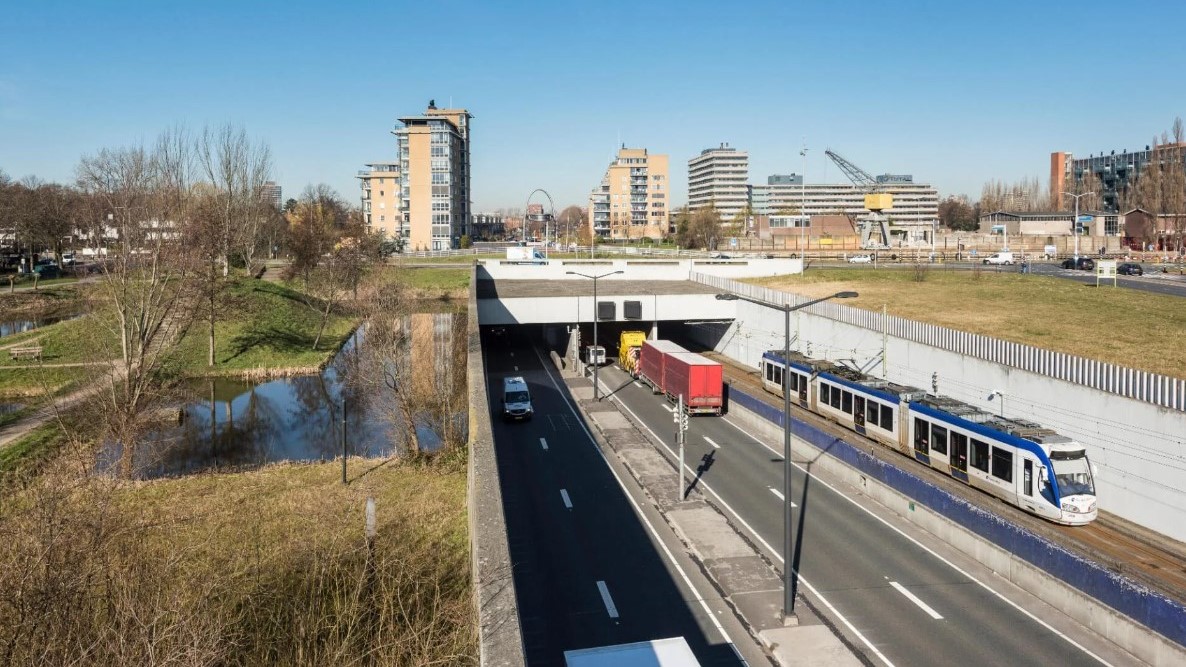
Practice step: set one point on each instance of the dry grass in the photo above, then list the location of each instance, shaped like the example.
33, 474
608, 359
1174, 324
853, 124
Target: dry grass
265, 567
1138, 329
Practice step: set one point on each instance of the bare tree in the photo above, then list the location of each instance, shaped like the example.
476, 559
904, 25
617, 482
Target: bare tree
147, 299
237, 168
571, 220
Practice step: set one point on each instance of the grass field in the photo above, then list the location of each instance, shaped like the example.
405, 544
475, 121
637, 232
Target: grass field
1138, 329
263, 567
430, 282
262, 325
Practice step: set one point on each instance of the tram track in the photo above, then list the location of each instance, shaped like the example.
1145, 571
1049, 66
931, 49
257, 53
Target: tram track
1121, 546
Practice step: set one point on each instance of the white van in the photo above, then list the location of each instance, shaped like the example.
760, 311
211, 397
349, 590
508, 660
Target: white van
999, 258
516, 399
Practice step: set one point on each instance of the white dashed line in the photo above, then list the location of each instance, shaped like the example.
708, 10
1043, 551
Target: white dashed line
565, 498
914, 598
609, 602
778, 494
709, 441
543, 443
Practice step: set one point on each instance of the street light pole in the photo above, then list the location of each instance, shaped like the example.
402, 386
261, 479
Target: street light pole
1075, 222
803, 203
596, 364
788, 595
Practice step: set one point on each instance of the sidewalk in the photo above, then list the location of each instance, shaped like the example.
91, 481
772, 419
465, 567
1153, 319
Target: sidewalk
745, 578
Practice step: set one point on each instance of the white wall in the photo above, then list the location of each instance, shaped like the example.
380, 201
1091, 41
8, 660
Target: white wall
639, 269
1139, 448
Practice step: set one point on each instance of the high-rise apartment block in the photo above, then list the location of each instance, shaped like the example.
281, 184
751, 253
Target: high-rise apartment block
719, 176
380, 199
434, 177
632, 201
271, 193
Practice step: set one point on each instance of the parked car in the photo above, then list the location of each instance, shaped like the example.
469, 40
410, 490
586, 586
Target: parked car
68, 259
1130, 269
1083, 263
860, 259
47, 271
1004, 257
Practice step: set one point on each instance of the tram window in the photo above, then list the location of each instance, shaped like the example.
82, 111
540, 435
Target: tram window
1002, 464
847, 404
793, 380
922, 432
887, 418
979, 455
769, 372
959, 450
939, 439
823, 393
871, 412
835, 402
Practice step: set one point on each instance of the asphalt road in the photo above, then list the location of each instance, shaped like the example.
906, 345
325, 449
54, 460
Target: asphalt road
902, 603
587, 571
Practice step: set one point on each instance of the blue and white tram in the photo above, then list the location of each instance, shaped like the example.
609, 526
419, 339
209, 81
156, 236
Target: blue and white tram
1020, 462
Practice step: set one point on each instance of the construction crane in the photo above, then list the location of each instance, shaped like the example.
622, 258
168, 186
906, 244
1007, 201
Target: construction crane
875, 232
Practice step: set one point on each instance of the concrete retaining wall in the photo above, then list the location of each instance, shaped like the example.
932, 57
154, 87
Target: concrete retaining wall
640, 269
1125, 418
1147, 624
496, 608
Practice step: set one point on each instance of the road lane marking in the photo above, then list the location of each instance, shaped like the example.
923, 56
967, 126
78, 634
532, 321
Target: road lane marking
568, 502
667, 407
709, 441
609, 602
716, 623
902, 533
914, 598
543, 443
516, 368
779, 495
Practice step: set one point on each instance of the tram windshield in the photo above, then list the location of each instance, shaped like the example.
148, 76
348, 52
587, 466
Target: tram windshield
1072, 472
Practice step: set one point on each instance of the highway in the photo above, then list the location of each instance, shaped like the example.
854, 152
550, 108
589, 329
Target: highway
589, 567
900, 601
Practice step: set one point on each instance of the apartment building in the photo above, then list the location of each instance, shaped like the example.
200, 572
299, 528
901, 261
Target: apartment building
380, 199
1113, 176
434, 177
632, 201
719, 176
271, 193
915, 209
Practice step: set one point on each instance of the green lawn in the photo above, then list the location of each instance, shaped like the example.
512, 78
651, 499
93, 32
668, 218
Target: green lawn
1123, 326
442, 280
262, 325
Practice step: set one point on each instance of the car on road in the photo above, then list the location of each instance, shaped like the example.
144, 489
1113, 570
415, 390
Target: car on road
1082, 263
1130, 269
860, 259
1005, 257
516, 399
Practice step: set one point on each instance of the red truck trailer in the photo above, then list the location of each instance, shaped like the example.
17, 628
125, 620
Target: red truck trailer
651, 360
698, 380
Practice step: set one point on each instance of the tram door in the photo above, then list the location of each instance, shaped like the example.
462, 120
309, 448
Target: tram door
959, 456
858, 413
1027, 478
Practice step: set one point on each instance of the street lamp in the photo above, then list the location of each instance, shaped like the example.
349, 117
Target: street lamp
788, 596
803, 203
594, 279
1075, 223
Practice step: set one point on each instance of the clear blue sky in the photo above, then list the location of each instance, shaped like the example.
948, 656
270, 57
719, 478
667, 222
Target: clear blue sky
951, 92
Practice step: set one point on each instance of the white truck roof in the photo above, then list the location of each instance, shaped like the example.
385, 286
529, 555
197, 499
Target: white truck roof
673, 652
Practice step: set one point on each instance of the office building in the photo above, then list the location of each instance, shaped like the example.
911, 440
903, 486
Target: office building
1112, 176
913, 216
380, 199
632, 200
434, 177
719, 176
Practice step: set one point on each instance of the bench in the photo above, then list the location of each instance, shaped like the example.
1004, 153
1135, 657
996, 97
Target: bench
29, 352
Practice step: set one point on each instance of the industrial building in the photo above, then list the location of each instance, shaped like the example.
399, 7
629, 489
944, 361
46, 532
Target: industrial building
784, 198
1113, 176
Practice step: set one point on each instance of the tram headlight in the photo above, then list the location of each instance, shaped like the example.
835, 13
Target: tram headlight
1070, 507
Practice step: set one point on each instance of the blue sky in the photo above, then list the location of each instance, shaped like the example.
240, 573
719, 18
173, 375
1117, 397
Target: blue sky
954, 94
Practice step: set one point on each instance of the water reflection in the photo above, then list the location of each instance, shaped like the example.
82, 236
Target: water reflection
231, 423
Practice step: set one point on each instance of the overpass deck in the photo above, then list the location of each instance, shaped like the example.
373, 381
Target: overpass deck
528, 289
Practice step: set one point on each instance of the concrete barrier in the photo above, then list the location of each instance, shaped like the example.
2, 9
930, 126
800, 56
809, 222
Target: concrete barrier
1147, 624
496, 606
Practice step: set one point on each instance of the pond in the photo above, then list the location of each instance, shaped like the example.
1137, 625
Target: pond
236, 424
19, 326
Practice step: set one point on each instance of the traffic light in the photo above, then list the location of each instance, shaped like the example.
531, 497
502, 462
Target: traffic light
683, 421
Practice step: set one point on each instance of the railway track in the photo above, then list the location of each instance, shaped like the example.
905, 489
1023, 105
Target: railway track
1121, 546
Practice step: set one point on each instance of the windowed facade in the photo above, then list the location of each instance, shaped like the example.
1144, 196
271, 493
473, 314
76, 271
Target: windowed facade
629, 203
434, 177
